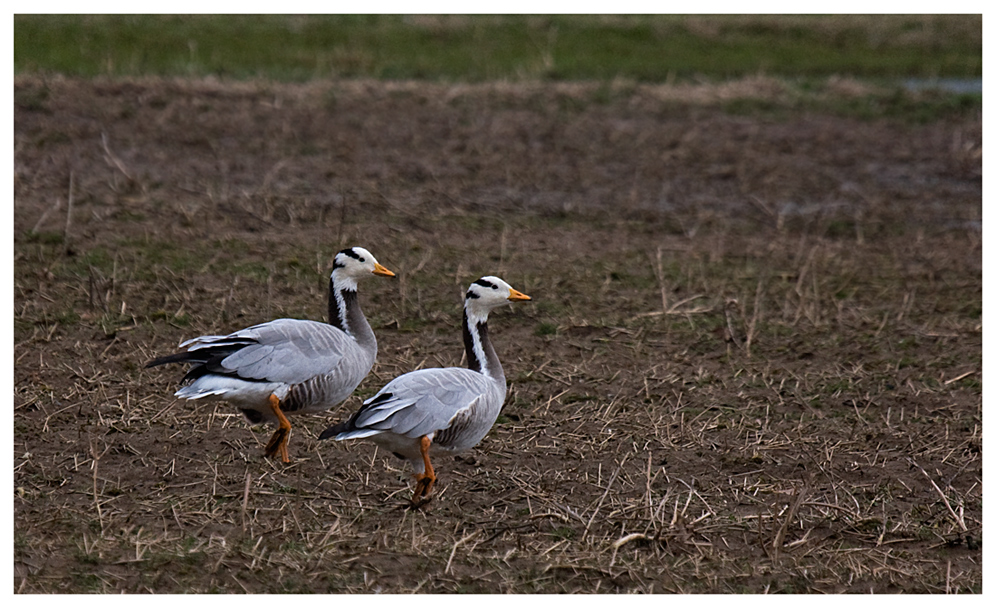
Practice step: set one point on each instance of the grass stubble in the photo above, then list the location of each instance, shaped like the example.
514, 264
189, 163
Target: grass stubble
759, 373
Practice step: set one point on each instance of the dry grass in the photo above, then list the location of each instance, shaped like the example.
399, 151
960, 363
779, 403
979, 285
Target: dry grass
760, 371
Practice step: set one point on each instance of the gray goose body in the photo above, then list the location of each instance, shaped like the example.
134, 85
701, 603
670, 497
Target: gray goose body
454, 407
288, 365
441, 409
310, 366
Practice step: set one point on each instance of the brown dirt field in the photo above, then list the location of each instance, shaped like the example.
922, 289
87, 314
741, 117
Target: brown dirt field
752, 362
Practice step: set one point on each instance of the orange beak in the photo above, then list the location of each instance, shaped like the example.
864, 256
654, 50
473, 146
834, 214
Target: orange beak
517, 295
381, 271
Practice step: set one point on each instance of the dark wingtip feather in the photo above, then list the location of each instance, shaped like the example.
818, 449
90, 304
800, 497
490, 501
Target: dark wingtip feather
350, 424
333, 430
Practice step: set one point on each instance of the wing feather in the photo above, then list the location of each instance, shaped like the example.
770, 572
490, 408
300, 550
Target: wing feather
285, 350
421, 402
373, 416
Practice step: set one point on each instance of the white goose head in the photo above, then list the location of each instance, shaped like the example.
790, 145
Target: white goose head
487, 293
354, 263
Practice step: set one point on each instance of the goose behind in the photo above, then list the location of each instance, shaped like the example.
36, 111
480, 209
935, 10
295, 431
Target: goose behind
288, 365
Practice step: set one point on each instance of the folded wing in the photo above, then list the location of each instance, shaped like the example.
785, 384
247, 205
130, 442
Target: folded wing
415, 404
286, 350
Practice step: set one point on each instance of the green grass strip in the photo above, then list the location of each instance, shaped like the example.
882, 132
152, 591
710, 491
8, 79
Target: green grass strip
482, 48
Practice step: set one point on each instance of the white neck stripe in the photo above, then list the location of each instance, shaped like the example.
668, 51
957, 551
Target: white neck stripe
475, 337
340, 283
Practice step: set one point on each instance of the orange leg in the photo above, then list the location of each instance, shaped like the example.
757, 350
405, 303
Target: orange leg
278, 443
425, 481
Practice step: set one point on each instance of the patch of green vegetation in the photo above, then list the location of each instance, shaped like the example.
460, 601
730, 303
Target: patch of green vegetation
86, 558
253, 270
285, 489
648, 48
294, 263
524, 377
159, 315
183, 320
183, 561
32, 99
81, 265
129, 215
637, 280
834, 386
564, 532
67, 317
747, 106
86, 582
578, 399
179, 257
972, 383
20, 542
294, 585
546, 329
919, 108
908, 343
46, 237
412, 324
840, 229
972, 309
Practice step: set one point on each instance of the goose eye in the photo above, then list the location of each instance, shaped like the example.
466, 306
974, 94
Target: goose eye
362, 260
495, 287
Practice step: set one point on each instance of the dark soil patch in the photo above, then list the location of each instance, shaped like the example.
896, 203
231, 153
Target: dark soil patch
752, 362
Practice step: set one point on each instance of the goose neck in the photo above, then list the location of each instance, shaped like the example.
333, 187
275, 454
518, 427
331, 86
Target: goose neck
481, 355
345, 312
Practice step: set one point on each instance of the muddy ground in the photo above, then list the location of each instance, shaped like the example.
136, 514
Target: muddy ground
752, 362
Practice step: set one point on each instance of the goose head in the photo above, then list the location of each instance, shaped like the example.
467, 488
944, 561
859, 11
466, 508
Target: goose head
487, 293
354, 263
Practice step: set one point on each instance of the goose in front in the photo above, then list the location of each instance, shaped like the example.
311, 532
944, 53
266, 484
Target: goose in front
288, 365
442, 409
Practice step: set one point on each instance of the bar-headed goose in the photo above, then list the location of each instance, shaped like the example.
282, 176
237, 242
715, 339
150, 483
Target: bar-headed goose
288, 365
443, 409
